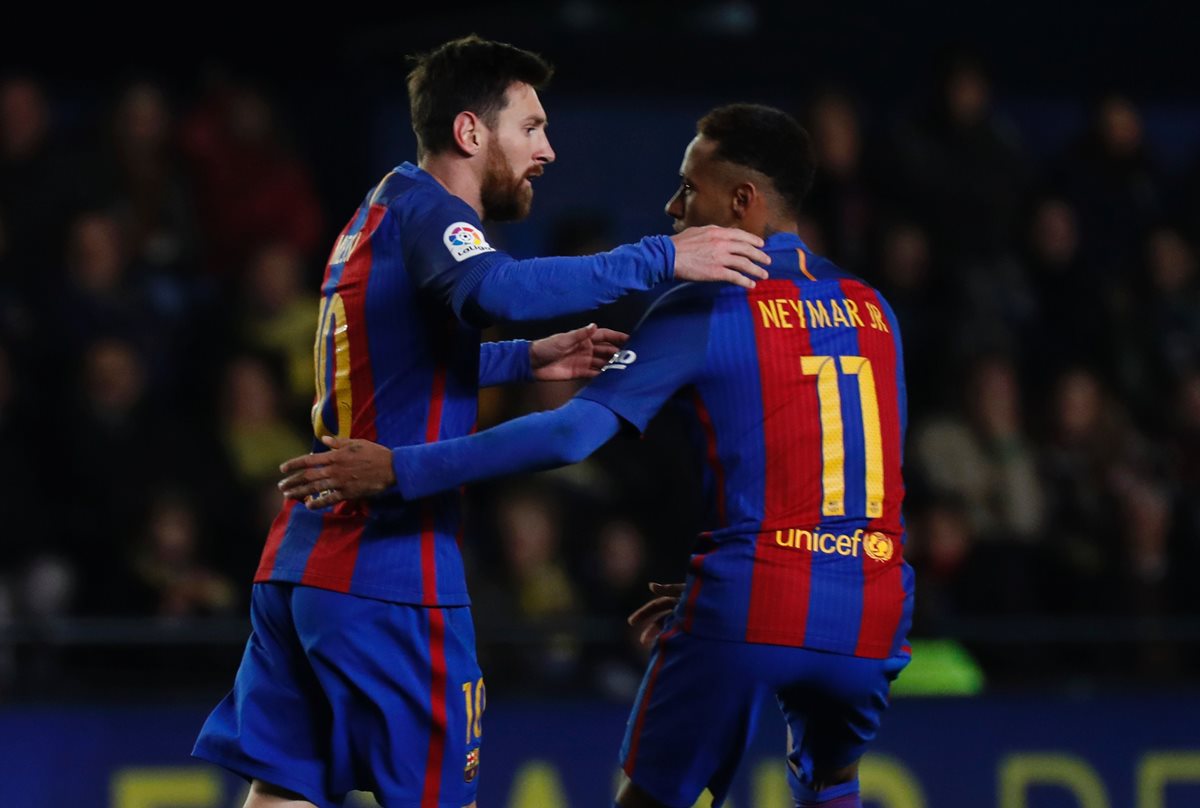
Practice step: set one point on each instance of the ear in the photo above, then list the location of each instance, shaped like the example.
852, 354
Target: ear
744, 197
468, 133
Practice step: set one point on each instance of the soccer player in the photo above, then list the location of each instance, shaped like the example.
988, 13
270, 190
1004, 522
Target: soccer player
794, 391
360, 672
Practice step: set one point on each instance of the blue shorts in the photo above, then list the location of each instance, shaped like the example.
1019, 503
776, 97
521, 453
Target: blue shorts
338, 693
696, 711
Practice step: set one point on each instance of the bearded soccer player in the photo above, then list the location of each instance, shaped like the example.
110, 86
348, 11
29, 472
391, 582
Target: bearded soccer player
360, 672
794, 392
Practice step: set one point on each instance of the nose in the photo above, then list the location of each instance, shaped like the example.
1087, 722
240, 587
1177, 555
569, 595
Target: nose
545, 154
674, 207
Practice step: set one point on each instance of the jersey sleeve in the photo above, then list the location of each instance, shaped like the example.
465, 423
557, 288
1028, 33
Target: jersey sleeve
446, 251
504, 362
541, 288
666, 352
540, 440
449, 258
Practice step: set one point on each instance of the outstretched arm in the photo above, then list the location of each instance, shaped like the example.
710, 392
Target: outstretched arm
501, 288
667, 352
446, 255
360, 468
577, 354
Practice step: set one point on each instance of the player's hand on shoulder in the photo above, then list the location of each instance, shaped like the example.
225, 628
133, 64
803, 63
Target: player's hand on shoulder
714, 253
351, 469
651, 617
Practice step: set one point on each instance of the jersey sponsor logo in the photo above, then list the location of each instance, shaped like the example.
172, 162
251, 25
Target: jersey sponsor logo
620, 361
472, 767
464, 240
875, 545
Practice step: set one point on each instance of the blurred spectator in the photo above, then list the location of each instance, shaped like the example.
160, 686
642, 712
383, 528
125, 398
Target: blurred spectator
984, 460
256, 436
904, 272
529, 533
149, 195
939, 544
616, 587
41, 185
116, 451
1103, 507
279, 317
843, 199
251, 187
1162, 330
537, 589
253, 436
959, 165
1068, 326
170, 578
1111, 179
102, 296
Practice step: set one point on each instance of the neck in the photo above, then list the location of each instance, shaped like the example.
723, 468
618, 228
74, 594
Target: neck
780, 226
457, 176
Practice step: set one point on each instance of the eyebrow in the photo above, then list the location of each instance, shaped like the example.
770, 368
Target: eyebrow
535, 120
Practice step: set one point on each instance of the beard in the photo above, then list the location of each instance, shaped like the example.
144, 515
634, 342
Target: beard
505, 196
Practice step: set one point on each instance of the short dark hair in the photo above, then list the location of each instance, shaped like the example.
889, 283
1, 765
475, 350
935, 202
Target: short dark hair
767, 140
468, 74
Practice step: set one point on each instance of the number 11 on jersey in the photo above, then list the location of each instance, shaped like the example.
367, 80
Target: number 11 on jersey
833, 446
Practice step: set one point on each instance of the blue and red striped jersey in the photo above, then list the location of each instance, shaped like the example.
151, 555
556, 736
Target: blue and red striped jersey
407, 285
795, 394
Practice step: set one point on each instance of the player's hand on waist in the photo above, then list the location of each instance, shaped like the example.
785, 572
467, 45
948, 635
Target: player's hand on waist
651, 616
351, 469
713, 253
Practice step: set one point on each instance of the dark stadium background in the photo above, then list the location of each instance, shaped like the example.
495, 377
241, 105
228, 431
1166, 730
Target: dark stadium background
1025, 189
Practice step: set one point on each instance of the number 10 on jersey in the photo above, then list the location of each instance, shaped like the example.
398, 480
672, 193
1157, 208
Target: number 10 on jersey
332, 328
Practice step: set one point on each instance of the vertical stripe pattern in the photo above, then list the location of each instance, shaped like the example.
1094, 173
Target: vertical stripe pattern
332, 561
793, 490
884, 596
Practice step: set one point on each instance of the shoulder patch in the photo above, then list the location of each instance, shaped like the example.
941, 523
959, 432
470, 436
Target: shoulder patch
464, 240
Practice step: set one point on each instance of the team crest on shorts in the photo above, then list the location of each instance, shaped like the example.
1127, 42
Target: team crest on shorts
472, 767
464, 240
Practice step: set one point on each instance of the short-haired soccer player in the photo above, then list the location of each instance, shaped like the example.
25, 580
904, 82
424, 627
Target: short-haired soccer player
360, 672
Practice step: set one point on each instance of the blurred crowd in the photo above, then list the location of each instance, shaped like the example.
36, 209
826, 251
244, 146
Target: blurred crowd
159, 265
